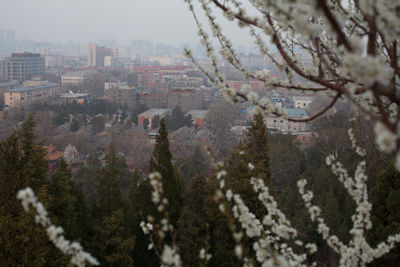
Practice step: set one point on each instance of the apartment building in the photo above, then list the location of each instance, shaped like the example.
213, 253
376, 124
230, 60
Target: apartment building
33, 94
75, 78
22, 66
4, 86
122, 95
279, 124
96, 55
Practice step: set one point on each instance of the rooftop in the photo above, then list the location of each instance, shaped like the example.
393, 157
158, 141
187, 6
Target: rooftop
296, 112
78, 73
33, 87
73, 95
11, 83
197, 113
155, 112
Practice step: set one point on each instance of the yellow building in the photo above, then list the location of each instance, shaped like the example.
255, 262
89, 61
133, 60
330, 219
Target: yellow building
29, 95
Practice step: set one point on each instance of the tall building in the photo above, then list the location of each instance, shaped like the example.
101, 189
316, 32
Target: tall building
22, 66
96, 55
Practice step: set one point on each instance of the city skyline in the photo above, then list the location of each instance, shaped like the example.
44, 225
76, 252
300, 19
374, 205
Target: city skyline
124, 21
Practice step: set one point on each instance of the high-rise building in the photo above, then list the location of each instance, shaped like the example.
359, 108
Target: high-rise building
10, 35
22, 66
96, 55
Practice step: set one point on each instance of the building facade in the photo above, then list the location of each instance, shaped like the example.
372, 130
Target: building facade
122, 95
96, 55
22, 66
75, 78
279, 124
29, 95
4, 86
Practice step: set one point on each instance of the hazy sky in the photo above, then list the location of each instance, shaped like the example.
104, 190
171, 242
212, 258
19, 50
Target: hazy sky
81, 21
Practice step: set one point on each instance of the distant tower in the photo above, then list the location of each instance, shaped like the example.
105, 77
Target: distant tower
96, 55
92, 55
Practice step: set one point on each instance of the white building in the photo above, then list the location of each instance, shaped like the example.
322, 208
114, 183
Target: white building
279, 124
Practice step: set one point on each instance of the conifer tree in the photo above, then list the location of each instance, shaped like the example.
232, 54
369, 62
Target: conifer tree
114, 246
257, 147
161, 161
140, 199
22, 164
109, 185
112, 237
385, 214
192, 223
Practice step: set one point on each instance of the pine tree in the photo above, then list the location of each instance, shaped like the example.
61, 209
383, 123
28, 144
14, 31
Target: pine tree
195, 165
192, 223
63, 201
257, 146
161, 161
385, 216
114, 247
22, 164
109, 185
112, 238
140, 199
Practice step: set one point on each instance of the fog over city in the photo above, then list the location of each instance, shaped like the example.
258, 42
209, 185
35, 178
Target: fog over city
201, 133
166, 21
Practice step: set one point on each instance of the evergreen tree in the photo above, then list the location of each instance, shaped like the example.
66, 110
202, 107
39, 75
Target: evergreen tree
177, 119
385, 216
161, 161
22, 164
75, 125
195, 165
257, 147
140, 199
109, 185
137, 109
112, 237
192, 223
63, 201
114, 247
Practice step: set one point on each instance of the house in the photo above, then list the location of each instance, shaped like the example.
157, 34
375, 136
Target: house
52, 156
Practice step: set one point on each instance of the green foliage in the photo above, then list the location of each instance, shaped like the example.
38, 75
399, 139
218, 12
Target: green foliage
195, 165
385, 216
177, 119
161, 161
137, 109
22, 164
75, 125
114, 247
109, 185
192, 223
141, 206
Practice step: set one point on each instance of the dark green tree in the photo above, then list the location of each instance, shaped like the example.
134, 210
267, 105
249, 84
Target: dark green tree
161, 161
112, 242
257, 147
385, 216
195, 165
141, 206
177, 119
192, 223
108, 184
22, 164
137, 109
75, 125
